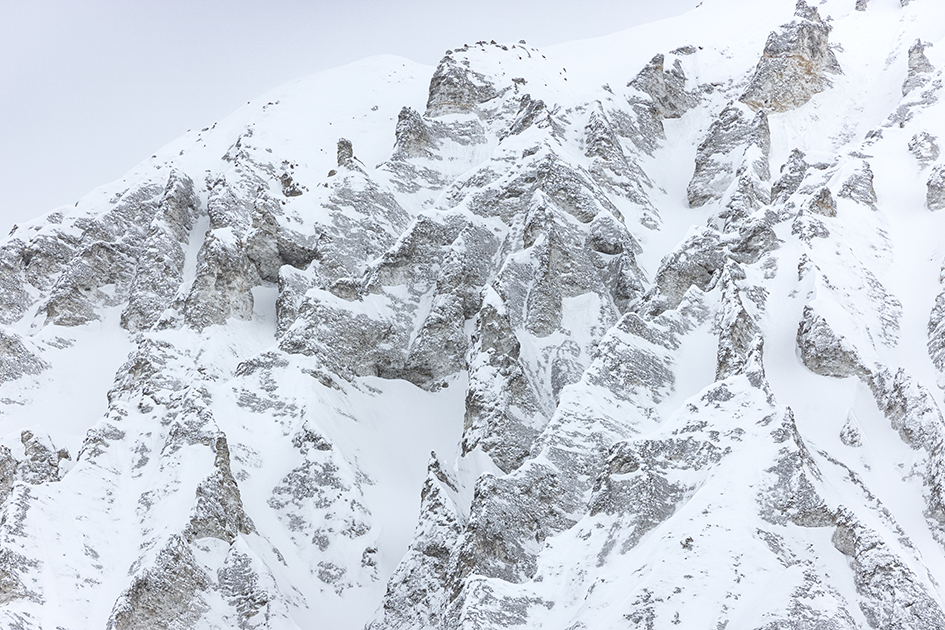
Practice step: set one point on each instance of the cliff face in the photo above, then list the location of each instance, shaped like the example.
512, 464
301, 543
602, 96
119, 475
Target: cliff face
666, 307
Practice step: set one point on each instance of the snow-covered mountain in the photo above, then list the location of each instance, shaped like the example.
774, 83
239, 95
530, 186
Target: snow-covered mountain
666, 307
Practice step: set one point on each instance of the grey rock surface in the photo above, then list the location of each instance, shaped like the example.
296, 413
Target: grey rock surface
924, 147
223, 286
736, 136
415, 596
667, 88
457, 89
793, 173
823, 351
859, 186
794, 65
919, 68
936, 333
823, 204
873, 564
935, 195
644, 414
160, 266
170, 595
345, 152
17, 359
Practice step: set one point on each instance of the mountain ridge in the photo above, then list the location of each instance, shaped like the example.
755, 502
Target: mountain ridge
665, 306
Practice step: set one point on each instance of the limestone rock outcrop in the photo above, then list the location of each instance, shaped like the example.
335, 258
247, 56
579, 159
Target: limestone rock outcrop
935, 196
608, 335
794, 65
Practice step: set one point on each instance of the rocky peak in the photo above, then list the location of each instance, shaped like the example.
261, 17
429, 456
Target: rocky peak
919, 67
413, 137
935, 196
345, 152
576, 282
794, 64
667, 88
737, 137
457, 89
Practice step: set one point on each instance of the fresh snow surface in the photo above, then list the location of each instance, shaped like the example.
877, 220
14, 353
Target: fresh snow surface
330, 466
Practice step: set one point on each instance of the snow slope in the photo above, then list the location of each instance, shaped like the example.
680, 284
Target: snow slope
643, 331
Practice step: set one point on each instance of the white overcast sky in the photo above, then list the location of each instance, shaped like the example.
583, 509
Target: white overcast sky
89, 88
